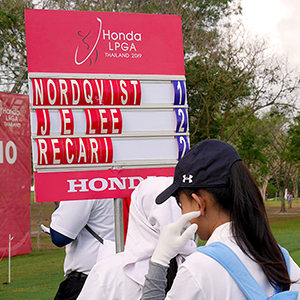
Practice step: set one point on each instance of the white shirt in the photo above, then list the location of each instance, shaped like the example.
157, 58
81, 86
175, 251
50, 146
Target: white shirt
107, 281
71, 217
201, 277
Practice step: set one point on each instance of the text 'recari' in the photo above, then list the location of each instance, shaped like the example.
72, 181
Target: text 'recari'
54, 151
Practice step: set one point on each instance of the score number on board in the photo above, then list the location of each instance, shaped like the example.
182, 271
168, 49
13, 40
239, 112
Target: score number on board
181, 118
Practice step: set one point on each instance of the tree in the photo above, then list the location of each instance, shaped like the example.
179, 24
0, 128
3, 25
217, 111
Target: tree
12, 45
234, 74
294, 148
280, 156
253, 142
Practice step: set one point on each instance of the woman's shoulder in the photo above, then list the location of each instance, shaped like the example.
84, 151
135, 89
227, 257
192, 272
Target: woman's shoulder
214, 280
295, 275
206, 275
199, 261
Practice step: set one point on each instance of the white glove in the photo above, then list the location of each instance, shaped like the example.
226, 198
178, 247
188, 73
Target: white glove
45, 229
173, 239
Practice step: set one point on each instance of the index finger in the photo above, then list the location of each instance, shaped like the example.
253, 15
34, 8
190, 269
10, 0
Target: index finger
186, 217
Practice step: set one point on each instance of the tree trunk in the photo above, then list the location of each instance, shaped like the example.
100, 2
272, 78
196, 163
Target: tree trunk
281, 193
19, 80
295, 187
264, 188
296, 191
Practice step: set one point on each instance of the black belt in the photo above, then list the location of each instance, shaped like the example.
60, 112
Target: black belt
76, 274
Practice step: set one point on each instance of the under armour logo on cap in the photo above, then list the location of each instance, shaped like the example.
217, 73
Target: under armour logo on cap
184, 178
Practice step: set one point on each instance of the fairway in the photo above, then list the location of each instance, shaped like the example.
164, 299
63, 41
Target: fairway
286, 227
37, 275
33, 276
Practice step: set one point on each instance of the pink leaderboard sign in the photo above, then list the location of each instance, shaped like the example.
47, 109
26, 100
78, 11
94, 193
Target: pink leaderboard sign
108, 101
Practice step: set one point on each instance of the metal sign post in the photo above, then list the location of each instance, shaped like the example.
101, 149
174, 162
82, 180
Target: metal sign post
9, 256
119, 225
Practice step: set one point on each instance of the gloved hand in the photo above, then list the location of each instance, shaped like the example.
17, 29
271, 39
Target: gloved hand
172, 240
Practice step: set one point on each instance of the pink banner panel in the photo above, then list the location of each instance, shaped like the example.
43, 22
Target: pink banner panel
15, 173
103, 43
100, 184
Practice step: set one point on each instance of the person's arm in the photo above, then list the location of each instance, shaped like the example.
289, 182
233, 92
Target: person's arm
68, 220
171, 241
59, 239
155, 283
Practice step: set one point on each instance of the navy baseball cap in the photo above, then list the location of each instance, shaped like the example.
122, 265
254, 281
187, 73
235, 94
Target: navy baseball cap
205, 165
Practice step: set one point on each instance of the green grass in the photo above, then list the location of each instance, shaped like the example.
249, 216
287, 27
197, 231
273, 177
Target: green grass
287, 235
33, 276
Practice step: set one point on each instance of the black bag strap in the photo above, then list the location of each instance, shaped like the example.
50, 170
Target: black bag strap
92, 232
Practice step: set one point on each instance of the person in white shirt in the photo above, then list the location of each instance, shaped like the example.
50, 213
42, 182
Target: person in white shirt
121, 276
219, 196
68, 229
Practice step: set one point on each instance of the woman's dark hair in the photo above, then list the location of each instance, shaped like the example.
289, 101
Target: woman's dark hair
250, 227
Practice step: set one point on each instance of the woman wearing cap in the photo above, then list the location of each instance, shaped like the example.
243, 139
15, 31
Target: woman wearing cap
121, 276
218, 195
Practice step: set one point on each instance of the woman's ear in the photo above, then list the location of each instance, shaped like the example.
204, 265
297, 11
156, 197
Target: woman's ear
200, 202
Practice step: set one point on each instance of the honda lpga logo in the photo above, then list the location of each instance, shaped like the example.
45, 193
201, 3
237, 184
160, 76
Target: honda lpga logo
94, 47
118, 44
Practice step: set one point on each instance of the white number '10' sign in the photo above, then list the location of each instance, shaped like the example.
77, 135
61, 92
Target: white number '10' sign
10, 152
